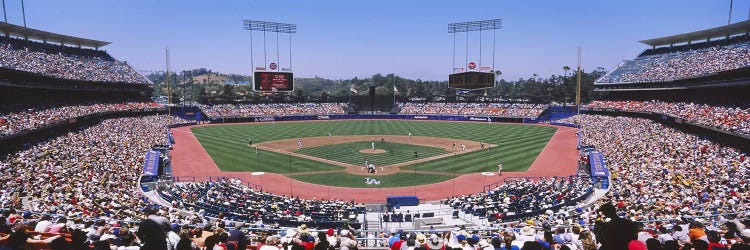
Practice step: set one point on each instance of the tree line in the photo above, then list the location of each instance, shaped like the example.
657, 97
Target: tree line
206, 86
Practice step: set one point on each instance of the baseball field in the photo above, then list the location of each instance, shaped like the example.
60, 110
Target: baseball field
334, 153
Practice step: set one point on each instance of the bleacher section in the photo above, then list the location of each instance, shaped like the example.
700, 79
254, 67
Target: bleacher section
519, 110
272, 109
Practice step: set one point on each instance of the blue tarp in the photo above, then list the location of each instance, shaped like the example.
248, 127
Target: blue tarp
403, 200
151, 164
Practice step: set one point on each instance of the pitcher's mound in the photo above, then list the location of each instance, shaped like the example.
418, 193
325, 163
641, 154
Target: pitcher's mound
372, 151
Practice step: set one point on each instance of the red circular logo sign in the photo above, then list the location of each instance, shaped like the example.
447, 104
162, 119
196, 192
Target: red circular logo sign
472, 65
273, 66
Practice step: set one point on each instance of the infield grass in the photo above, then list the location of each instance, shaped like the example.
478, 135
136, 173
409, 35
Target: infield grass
349, 152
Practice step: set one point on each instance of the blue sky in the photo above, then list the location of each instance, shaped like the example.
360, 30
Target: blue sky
344, 39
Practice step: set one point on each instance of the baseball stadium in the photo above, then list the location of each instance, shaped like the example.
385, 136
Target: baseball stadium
97, 153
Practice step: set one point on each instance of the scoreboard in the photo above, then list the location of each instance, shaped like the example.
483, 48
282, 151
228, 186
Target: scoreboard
273, 81
471, 80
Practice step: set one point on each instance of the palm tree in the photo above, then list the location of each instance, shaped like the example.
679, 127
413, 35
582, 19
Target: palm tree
566, 68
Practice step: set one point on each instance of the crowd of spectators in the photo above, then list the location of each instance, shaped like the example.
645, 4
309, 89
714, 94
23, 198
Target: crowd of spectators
662, 174
684, 191
61, 62
273, 109
477, 109
19, 117
88, 174
524, 197
504, 110
682, 64
78, 190
232, 200
155, 231
430, 108
729, 118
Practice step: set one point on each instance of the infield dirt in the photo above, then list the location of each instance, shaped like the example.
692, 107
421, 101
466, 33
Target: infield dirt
289, 146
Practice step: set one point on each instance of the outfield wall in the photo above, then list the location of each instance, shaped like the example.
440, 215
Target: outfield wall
382, 117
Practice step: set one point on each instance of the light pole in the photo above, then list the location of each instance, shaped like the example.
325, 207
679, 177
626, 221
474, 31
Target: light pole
23, 11
5, 15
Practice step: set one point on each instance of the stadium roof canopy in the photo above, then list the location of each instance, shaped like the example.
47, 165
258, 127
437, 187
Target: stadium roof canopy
701, 35
29, 33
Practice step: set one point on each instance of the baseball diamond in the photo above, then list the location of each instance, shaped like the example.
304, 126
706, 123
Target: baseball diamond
335, 161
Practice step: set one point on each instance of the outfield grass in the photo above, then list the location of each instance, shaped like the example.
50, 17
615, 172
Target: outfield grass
518, 145
349, 152
234, 154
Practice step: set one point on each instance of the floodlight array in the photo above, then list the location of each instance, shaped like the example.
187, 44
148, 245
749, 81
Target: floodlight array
269, 26
493, 24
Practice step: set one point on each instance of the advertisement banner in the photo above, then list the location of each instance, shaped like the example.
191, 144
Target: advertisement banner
151, 163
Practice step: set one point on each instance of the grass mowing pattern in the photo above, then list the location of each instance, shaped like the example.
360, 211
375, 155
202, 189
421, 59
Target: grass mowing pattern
230, 153
349, 152
518, 145
394, 180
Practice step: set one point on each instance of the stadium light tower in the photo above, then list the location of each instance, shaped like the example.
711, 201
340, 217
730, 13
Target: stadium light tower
467, 27
278, 78
468, 79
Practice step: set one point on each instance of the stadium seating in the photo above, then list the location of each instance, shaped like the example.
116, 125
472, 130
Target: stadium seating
660, 173
87, 174
239, 203
523, 198
272, 109
661, 176
15, 118
730, 118
478, 109
65, 62
685, 62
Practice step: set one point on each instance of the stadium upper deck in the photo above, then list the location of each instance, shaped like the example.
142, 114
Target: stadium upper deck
676, 59
46, 61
